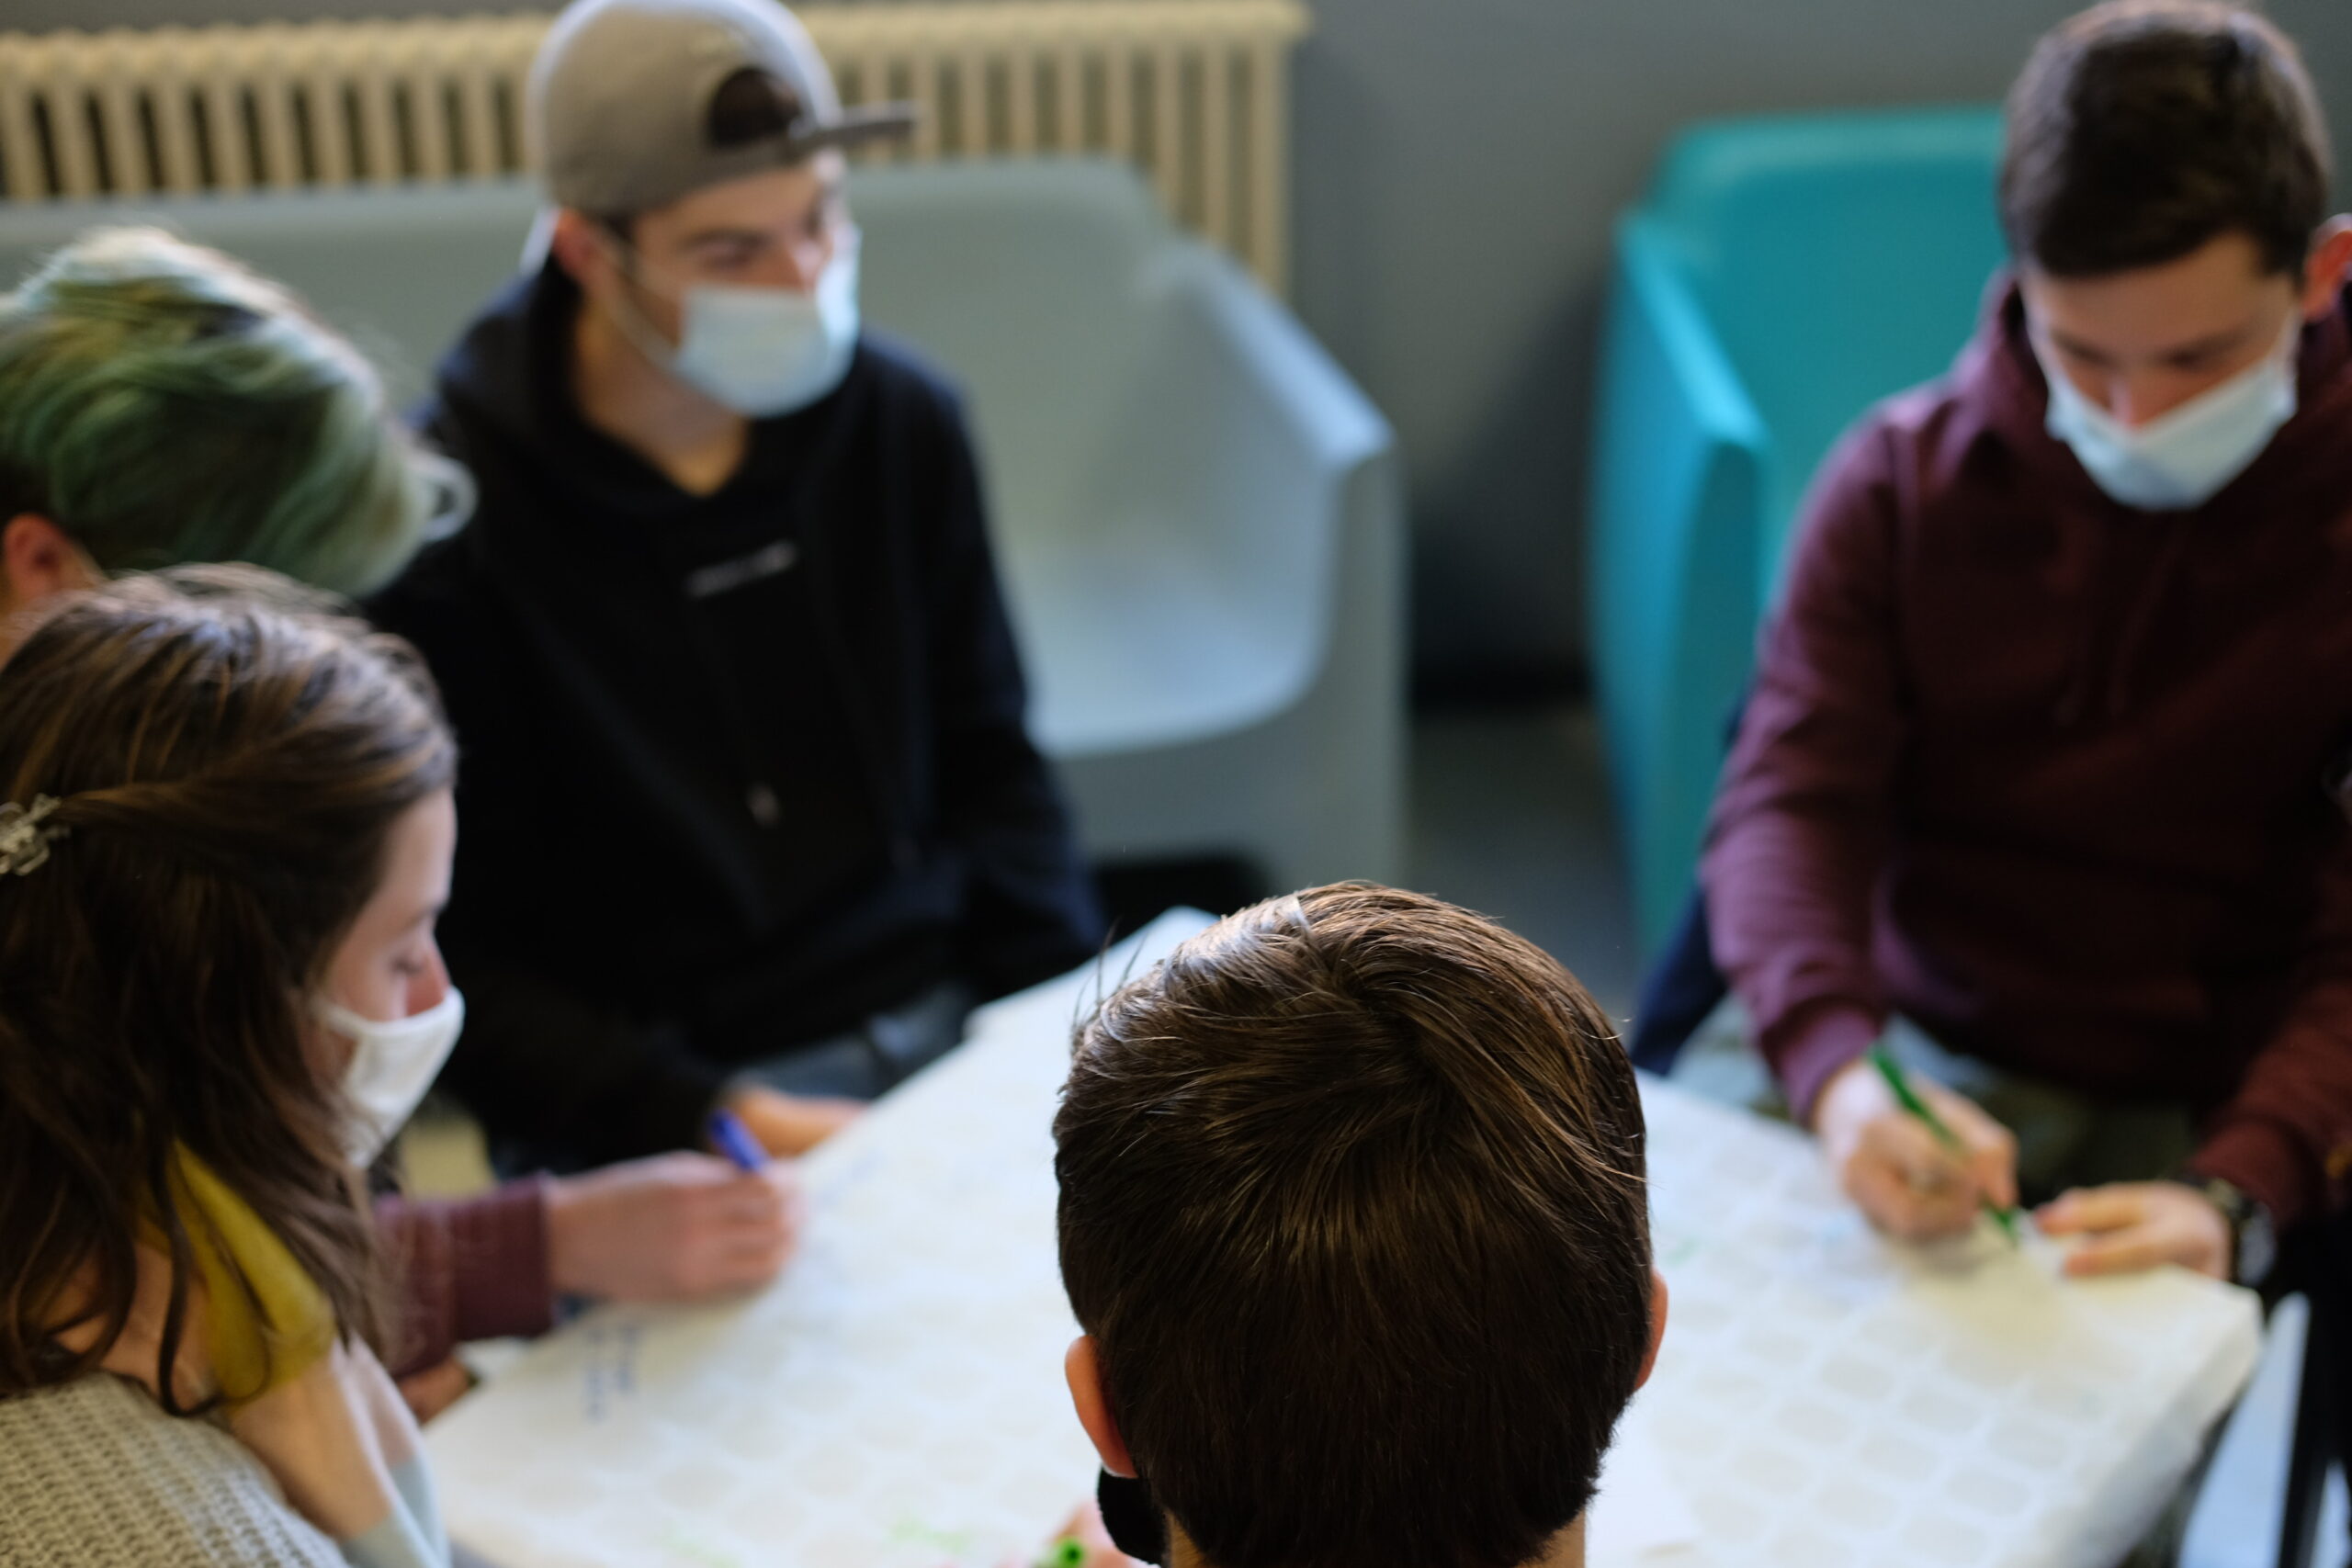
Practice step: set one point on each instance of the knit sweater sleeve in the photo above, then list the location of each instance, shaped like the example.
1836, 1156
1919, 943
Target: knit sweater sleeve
469, 1268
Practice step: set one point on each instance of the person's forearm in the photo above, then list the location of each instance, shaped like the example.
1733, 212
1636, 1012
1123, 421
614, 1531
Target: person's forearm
1031, 911
467, 1269
502, 1262
1788, 900
1803, 815
416, 1238
1029, 920
1812, 1045
2285, 1137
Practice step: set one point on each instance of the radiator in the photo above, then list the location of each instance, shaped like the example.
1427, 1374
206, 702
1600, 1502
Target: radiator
1195, 92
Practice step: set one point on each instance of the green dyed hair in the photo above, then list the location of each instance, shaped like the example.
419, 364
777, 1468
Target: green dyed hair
163, 403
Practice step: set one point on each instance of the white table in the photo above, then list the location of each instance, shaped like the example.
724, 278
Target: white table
1824, 1399
895, 1401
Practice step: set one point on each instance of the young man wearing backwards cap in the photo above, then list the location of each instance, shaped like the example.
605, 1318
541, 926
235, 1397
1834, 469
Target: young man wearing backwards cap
751, 816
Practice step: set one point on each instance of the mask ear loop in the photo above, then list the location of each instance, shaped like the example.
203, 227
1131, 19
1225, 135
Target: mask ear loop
2290, 351
455, 492
622, 312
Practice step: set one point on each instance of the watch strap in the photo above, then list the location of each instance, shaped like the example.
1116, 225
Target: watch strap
2253, 1242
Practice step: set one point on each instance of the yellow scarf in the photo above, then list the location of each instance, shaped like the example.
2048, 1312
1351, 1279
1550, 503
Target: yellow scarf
267, 1321
320, 1415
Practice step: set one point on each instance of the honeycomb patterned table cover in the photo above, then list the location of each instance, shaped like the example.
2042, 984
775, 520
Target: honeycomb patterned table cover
895, 1401
1824, 1399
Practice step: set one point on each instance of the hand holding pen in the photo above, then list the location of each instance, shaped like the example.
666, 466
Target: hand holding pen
1915, 1106
1919, 1171
678, 1226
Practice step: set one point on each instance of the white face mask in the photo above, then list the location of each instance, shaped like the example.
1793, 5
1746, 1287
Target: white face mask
762, 351
393, 1064
2183, 459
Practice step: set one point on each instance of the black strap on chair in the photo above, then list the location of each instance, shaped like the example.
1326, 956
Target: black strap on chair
2319, 1265
2314, 1449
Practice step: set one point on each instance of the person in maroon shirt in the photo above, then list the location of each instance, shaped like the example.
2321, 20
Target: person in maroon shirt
2040, 748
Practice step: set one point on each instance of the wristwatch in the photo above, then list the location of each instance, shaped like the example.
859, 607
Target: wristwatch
2254, 1241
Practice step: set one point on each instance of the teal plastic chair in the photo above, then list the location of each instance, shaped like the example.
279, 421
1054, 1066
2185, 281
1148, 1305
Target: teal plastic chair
1783, 274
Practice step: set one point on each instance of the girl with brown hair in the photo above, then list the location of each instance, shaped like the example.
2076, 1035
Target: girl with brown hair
161, 403
226, 834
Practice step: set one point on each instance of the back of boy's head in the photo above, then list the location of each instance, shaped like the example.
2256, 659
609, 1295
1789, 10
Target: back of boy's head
1352, 1205
2140, 131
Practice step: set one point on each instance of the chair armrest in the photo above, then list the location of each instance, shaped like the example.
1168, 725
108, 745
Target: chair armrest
1320, 411
1246, 465
1679, 452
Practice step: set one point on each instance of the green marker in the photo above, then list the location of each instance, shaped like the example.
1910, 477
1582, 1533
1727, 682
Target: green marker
1908, 1097
1067, 1552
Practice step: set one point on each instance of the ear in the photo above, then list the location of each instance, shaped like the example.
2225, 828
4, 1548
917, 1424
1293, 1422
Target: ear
37, 560
1085, 1375
2329, 266
583, 248
1658, 1326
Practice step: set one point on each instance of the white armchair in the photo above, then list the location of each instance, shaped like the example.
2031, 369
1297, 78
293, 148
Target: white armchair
1197, 513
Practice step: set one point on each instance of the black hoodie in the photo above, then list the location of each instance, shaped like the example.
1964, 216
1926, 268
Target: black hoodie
739, 770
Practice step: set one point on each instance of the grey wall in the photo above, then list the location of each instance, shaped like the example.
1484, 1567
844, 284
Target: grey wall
1458, 162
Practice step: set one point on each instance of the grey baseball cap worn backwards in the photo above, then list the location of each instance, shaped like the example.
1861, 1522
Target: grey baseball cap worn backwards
636, 103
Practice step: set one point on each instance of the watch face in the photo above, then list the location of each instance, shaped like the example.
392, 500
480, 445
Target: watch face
2254, 1242
2258, 1245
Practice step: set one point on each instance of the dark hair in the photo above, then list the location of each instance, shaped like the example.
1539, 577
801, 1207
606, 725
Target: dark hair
2143, 130
1352, 1204
228, 758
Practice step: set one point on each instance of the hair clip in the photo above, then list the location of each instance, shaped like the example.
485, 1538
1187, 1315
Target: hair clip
24, 842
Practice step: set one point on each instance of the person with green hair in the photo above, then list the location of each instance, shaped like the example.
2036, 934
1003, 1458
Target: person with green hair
161, 404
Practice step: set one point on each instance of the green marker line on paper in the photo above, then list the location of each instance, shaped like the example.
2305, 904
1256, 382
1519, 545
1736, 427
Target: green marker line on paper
1908, 1097
678, 1543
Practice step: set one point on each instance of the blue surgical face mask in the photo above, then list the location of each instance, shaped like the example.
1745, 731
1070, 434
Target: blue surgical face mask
2183, 459
762, 351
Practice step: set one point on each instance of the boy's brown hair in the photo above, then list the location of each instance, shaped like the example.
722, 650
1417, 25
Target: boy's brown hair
1352, 1204
2142, 130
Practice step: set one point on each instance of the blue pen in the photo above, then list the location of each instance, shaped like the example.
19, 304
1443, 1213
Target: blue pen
735, 1141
